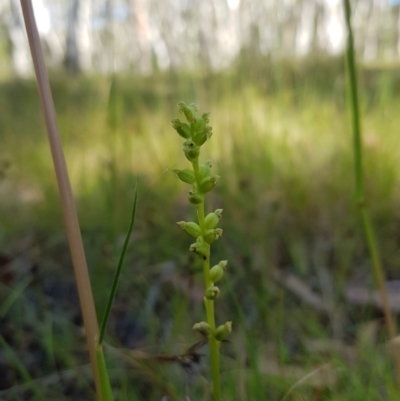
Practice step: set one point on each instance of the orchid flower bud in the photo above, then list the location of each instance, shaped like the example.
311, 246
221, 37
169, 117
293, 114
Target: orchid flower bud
191, 150
205, 169
185, 175
181, 128
201, 132
193, 106
198, 124
194, 197
223, 331
203, 328
208, 132
212, 235
212, 219
200, 137
212, 292
205, 117
190, 227
208, 183
201, 248
189, 111
217, 271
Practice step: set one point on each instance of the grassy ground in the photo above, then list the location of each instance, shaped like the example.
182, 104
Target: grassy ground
282, 146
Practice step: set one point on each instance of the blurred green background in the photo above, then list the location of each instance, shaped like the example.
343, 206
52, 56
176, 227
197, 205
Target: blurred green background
298, 287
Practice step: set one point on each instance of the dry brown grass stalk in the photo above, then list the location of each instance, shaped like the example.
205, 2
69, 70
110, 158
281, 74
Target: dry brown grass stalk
64, 186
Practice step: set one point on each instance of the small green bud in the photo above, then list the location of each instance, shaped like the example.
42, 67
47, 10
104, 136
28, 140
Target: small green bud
190, 227
201, 248
217, 271
194, 197
209, 236
200, 137
212, 292
191, 150
193, 107
185, 175
205, 169
208, 183
201, 132
212, 235
208, 132
203, 328
189, 111
223, 331
181, 128
205, 117
212, 219
198, 124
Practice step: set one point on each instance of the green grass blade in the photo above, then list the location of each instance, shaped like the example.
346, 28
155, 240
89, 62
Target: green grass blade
105, 386
355, 109
14, 295
23, 371
117, 273
367, 225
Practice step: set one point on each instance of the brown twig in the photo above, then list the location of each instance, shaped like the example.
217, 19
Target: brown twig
64, 186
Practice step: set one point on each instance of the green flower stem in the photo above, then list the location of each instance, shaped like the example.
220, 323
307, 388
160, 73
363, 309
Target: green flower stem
209, 304
214, 352
361, 202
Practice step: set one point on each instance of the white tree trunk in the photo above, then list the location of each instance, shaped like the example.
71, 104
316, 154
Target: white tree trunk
78, 52
398, 32
20, 55
306, 29
372, 39
140, 35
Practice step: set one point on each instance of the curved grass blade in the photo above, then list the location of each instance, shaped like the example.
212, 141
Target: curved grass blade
117, 273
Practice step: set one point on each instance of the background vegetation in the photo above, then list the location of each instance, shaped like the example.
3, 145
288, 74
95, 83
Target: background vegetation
283, 146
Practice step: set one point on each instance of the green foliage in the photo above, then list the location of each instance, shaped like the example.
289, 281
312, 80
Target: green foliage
284, 157
106, 391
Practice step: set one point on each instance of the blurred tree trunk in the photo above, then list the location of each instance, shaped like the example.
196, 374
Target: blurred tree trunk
78, 52
291, 28
108, 38
371, 45
315, 43
140, 37
171, 50
306, 29
397, 37
360, 17
20, 56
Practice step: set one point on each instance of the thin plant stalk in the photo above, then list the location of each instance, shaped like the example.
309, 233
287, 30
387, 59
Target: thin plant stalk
360, 194
117, 273
67, 199
209, 303
105, 385
206, 231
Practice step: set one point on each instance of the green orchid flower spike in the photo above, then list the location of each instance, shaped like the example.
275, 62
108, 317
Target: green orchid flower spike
196, 132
